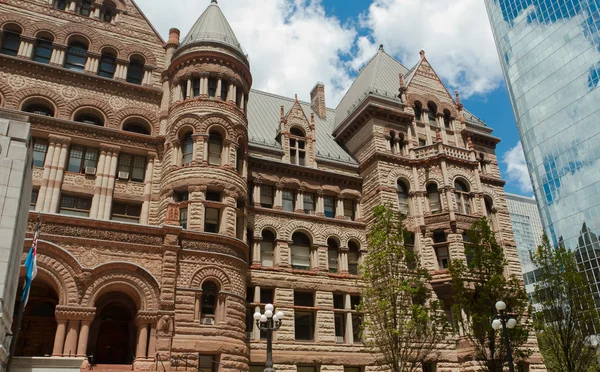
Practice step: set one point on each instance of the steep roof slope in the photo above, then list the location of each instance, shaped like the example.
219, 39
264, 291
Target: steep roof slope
264, 120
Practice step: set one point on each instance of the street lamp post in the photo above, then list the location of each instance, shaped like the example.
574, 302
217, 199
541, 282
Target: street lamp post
505, 321
269, 322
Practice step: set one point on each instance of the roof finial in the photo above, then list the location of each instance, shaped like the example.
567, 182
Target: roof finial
459, 104
381, 47
214, 1
282, 113
422, 54
296, 95
401, 81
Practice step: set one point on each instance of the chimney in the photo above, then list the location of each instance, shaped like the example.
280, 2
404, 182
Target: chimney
174, 37
317, 100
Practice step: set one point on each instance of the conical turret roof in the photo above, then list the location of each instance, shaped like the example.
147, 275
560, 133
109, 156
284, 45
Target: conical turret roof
212, 26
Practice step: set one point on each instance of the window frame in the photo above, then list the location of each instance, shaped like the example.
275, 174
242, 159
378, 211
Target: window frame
83, 159
263, 189
85, 9
13, 37
332, 211
463, 197
187, 149
126, 217
135, 72
297, 148
288, 204
132, 166
403, 202
313, 202
78, 212
75, 53
206, 221
36, 143
42, 45
430, 193
215, 140
107, 59
349, 213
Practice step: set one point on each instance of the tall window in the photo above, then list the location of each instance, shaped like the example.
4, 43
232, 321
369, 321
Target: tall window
489, 212
418, 111
81, 158
75, 205
353, 253
297, 147
339, 318
106, 68
60, 4
183, 217
131, 167
209, 300
107, 15
211, 220
126, 212
86, 8
187, 149
463, 199
76, 56
288, 197
309, 203
434, 198
402, 191
40, 148
332, 255
267, 246
195, 87
223, 92
300, 250
215, 148
212, 87
441, 249
432, 112
135, 71
329, 204
447, 119
11, 40
266, 196
207, 363
34, 197
349, 209
304, 316
43, 51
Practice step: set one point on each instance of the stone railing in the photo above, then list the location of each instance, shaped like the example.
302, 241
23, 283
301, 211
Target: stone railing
435, 149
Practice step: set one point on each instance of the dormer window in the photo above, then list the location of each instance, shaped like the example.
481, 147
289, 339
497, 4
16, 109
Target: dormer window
297, 146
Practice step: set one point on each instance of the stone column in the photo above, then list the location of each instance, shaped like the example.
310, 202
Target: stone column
84, 333
320, 204
26, 47
339, 207
256, 254
142, 339
300, 200
425, 120
104, 177
96, 13
440, 122
231, 93
91, 64
256, 193
57, 181
147, 80
145, 213
39, 205
349, 337
255, 330
189, 86
204, 85
219, 86
278, 201
221, 309
70, 348
51, 165
98, 183
72, 5
343, 260
108, 183
358, 210
59, 337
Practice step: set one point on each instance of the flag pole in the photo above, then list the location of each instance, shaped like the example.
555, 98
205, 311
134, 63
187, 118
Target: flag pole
22, 304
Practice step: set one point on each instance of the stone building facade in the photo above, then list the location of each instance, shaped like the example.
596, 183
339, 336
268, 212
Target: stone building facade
175, 200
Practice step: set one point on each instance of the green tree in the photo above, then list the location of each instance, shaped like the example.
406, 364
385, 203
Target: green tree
403, 323
565, 310
477, 285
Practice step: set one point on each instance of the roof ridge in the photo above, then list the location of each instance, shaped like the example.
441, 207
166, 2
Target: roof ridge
375, 69
355, 79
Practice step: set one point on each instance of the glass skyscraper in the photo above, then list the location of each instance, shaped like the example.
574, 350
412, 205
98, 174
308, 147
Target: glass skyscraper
550, 55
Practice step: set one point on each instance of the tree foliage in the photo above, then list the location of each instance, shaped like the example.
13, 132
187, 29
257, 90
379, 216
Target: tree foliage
403, 323
565, 310
477, 285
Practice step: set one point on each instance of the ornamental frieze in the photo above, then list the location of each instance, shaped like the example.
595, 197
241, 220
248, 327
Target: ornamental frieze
96, 233
209, 247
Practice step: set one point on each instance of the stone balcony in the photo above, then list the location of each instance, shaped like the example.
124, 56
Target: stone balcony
426, 152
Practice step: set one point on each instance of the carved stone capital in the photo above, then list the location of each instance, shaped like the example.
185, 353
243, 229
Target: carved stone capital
110, 148
59, 140
75, 313
146, 317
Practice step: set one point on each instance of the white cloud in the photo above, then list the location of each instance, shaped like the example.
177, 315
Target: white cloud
516, 168
291, 44
455, 35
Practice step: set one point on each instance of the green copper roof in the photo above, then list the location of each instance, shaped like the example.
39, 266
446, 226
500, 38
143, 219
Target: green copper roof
212, 26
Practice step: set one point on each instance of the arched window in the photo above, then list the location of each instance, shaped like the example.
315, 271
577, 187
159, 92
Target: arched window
353, 253
297, 146
434, 198
209, 300
418, 110
300, 250
43, 48
107, 65
38, 106
76, 56
489, 212
463, 200
91, 117
135, 71
402, 190
215, 147
332, 255
11, 40
447, 119
432, 112
60, 4
137, 127
187, 149
267, 247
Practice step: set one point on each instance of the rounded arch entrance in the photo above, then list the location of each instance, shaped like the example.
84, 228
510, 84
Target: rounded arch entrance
36, 336
113, 331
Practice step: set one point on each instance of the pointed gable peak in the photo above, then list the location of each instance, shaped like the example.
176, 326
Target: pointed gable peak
213, 27
423, 78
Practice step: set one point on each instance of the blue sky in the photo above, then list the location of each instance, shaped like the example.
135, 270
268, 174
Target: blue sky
295, 43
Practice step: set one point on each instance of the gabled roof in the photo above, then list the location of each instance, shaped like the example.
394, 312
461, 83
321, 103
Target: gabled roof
212, 26
381, 77
264, 123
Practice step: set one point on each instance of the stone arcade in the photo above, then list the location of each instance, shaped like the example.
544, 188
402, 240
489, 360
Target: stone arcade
175, 200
